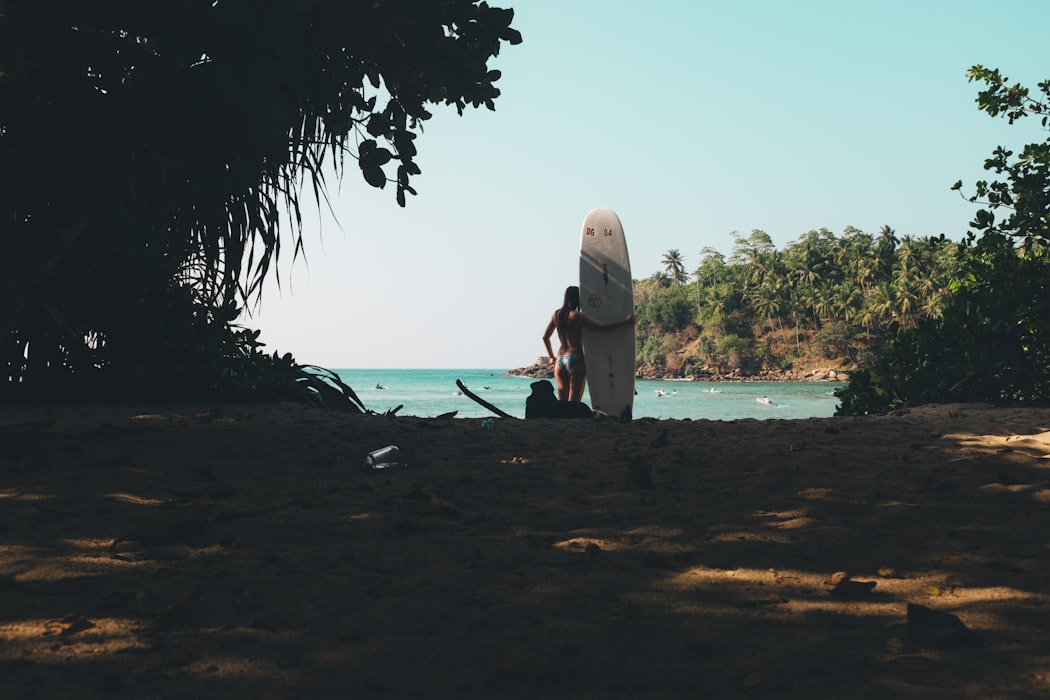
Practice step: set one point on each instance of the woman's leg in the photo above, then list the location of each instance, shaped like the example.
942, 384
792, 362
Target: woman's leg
562, 378
577, 380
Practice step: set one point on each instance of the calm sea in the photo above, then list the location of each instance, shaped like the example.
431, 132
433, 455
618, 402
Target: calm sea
431, 392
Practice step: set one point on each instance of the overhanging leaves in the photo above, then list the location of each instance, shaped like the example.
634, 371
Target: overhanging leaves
148, 152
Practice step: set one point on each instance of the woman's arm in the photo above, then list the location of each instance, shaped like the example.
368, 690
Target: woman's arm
591, 323
547, 338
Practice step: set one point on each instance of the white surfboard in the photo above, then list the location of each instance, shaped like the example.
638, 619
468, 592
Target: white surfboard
607, 295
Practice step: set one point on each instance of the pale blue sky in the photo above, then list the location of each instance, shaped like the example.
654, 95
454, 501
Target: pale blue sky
692, 119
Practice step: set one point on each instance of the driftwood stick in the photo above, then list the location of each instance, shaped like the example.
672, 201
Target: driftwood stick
483, 402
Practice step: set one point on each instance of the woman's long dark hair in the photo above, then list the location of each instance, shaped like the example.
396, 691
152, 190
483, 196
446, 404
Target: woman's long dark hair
571, 303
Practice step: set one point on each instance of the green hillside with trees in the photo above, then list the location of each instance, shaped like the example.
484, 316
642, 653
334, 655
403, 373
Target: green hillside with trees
823, 299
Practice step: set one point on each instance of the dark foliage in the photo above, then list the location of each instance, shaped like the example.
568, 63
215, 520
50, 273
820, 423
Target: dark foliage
1022, 197
152, 153
990, 344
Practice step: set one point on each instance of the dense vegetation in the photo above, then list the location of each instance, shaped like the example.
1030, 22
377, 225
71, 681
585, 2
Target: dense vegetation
152, 155
764, 309
988, 344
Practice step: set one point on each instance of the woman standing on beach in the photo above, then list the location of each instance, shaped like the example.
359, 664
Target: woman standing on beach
570, 369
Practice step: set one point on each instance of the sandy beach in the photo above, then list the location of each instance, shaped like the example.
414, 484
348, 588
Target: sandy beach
183, 551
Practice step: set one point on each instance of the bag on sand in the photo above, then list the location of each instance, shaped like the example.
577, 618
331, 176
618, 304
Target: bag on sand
542, 403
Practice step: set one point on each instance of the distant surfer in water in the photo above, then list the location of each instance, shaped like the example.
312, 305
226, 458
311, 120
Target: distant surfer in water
570, 369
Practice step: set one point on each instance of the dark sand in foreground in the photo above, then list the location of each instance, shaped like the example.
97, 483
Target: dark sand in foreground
243, 551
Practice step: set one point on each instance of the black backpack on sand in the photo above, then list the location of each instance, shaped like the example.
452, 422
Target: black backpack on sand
542, 403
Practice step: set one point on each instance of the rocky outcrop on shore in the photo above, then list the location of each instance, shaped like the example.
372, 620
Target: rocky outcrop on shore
821, 374
541, 369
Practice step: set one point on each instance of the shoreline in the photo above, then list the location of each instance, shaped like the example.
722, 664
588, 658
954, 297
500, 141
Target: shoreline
541, 369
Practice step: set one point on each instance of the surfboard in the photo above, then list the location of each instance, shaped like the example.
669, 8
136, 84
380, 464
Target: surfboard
607, 295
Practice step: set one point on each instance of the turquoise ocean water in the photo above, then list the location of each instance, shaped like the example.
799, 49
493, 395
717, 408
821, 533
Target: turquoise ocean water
431, 392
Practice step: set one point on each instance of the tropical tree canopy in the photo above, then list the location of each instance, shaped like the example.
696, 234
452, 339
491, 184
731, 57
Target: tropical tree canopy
674, 266
991, 343
843, 296
149, 153
1025, 192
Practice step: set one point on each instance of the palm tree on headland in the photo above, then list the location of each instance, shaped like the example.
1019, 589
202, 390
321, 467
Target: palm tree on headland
885, 251
675, 267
